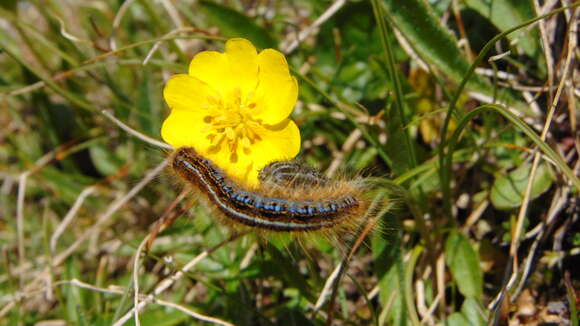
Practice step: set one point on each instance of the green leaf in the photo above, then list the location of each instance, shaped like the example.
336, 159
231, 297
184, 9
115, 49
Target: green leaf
508, 190
9, 4
73, 296
235, 24
106, 162
463, 261
399, 130
149, 116
456, 319
283, 267
416, 20
473, 312
505, 14
162, 317
66, 186
389, 270
350, 66
435, 44
445, 160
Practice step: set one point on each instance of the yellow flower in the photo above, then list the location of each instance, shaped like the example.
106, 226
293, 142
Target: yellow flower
233, 109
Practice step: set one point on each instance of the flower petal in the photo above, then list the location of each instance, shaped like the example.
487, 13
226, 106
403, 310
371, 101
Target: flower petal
237, 67
243, 60
277, 90
279, 143
211, 67
186, 128
223, 87
184, 92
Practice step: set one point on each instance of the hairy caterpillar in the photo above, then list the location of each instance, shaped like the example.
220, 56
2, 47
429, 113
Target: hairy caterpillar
291, 197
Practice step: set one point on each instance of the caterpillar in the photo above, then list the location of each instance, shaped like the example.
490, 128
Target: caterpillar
291, 197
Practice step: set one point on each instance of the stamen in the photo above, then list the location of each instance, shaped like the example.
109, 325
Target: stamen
216, 142
231, 119
230, 133
246, 146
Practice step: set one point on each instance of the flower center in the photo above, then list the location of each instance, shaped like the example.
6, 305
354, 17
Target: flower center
230, 122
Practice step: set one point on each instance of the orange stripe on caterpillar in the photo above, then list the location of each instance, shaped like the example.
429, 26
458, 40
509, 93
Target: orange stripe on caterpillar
291, 197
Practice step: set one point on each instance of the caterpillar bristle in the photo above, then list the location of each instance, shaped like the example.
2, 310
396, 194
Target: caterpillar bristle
291, 199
